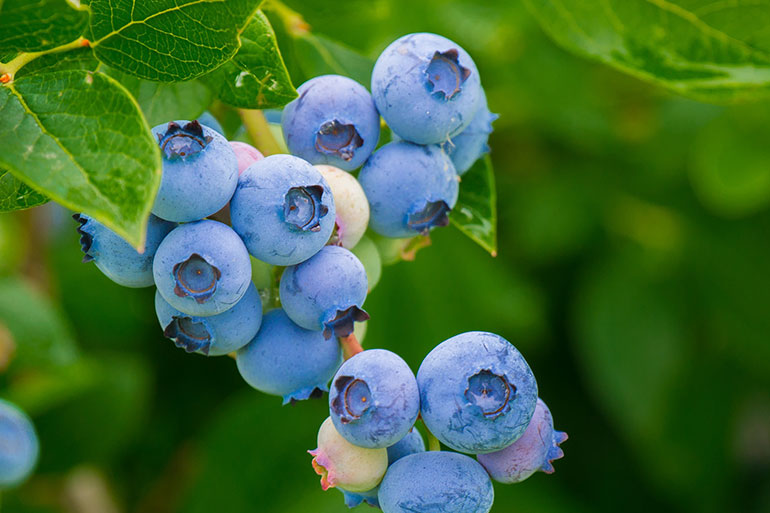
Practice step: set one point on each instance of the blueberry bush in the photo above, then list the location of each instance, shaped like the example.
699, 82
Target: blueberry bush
619, 243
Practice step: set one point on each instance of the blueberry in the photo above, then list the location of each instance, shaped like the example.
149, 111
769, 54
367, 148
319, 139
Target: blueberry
214, 335
19, 447
374, 399
367, 252
410, 188
477, 392
115, 257
436, 482
535, 450
200, 171
412, 443
340, 463
288, 361
333, 121
353, 499
426, 87
326, 292
246, 155
467, 147
207, 119
283, 210
202, 268
350, 204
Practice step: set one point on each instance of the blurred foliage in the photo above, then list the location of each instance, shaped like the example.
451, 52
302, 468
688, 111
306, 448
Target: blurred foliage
633, 272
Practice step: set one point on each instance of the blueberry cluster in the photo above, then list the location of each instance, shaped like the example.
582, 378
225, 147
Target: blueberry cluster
223, 208
475, 394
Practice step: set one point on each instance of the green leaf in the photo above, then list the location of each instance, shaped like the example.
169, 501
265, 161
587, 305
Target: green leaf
168, 40
256, 78
80, 58
16, 195
79, 138
475, 213
41, 335
711, 51
164, 102
34, 26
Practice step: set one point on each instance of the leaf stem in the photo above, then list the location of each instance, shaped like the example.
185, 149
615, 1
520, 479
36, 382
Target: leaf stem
350, 346
259, 131
9, 69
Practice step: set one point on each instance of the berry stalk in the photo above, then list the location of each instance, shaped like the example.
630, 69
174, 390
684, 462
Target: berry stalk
350, 346
259, 131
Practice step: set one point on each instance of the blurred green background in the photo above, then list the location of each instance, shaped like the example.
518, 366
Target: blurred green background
633, 273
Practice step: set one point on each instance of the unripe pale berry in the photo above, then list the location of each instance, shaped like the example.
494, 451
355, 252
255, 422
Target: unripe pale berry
246, 155
340, 463
350, 203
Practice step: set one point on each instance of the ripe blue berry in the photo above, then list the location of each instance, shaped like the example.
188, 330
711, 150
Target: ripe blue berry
535, 451
214, 335
19, 446
374, 399
326, 292
340, 463
467, 147
412, 443
115, 257
350, 204
288, 361
426, 87
438, 481
353, 499
283, 210
410, 188
200, 171
334, 121
202, 268
477, 392
206, 119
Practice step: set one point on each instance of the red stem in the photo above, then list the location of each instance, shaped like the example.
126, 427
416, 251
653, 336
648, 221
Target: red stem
350, 346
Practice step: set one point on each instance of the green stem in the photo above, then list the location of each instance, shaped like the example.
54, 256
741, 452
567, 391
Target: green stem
9, 69
293, 21
433, 443
259, 131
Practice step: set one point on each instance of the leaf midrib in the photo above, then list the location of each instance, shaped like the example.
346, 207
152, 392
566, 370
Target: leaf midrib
144, 21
